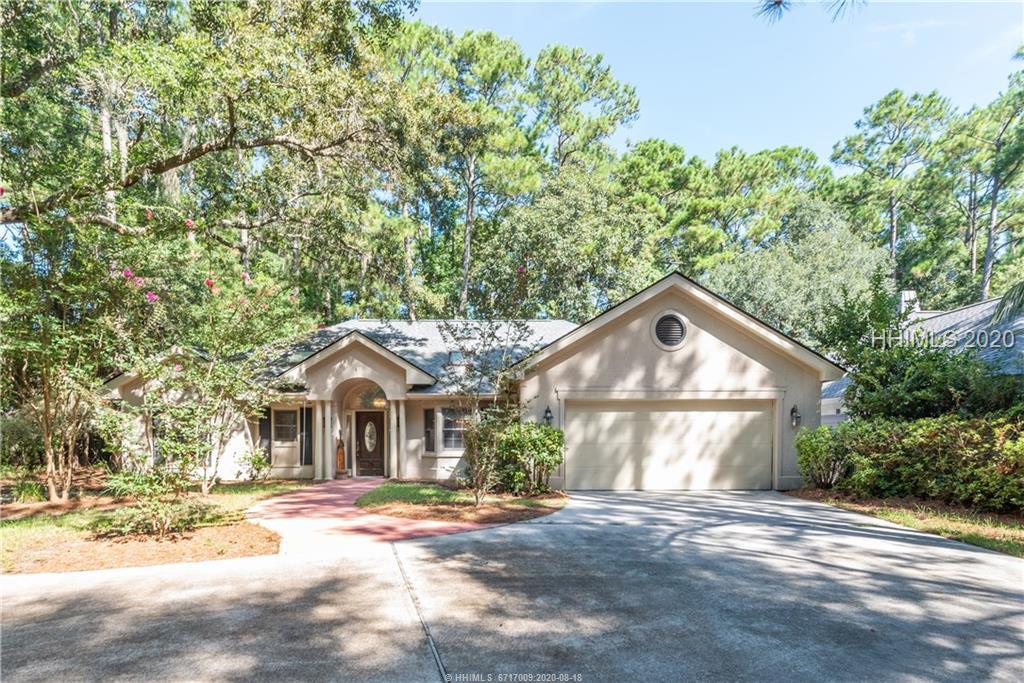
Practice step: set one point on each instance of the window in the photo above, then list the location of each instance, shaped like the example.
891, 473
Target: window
454, 426
286, 425
428, 430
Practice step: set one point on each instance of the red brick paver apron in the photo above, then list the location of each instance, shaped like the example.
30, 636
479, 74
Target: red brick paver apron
324, 517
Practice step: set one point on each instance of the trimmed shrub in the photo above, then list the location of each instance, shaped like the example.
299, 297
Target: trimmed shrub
156, 518
528, 453
909, 383
973, 462
820, 463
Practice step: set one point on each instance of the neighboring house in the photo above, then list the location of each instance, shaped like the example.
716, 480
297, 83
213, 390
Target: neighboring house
966, 328
674, 388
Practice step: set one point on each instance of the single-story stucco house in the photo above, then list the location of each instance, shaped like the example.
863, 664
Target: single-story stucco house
968, 328
674, 388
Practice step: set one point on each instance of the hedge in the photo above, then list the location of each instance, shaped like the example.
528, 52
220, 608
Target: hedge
975, 462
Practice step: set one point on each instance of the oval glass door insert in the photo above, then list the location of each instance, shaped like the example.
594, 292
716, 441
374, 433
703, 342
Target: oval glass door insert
370, 437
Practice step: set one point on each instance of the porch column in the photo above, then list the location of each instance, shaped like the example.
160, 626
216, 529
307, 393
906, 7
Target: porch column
329, 457
393, 439
318, 440
403, 439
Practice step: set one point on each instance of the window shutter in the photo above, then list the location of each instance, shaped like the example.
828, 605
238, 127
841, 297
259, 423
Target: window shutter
265, 433
306, 435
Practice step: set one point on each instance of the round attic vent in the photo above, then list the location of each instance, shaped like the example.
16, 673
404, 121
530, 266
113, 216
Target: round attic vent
669, 330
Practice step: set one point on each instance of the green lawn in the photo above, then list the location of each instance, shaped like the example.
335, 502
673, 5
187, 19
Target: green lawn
995, 532
411, 493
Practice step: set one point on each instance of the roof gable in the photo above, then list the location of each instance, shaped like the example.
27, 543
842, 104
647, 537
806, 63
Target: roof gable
418, 343
827, 369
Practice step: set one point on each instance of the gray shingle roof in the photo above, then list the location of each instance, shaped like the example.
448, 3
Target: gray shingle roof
964, 326
836, 388
422, 343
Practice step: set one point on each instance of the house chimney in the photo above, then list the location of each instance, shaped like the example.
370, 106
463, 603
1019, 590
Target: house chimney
908, 302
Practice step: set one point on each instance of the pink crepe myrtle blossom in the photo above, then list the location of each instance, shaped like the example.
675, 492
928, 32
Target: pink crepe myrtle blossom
127, 273
177, 367
189, 223
137, 281
208, 282
521, 270
152, 297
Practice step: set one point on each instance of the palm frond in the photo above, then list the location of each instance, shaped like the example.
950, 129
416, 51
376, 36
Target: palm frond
772, 10
1012, 304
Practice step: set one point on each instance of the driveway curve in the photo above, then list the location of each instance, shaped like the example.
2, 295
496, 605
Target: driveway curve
615, 587
324, 517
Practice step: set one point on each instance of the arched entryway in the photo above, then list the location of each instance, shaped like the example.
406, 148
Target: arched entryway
363, 438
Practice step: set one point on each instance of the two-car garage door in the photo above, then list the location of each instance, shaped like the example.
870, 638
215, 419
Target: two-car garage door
669, 445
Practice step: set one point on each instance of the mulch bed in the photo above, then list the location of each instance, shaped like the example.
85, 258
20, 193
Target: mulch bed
83, 552
488, 513
909, 504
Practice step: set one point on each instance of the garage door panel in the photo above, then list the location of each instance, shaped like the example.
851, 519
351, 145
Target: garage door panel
669, 445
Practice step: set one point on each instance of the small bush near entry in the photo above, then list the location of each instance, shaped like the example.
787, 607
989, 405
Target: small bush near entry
820, 462
155, 517
527, 455
255, 465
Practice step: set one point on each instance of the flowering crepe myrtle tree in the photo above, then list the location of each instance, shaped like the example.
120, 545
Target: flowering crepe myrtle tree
197, 395
206, 378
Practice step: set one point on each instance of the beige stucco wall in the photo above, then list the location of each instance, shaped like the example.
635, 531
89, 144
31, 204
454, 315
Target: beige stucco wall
236, 443
717, 360
351, 361
441, 464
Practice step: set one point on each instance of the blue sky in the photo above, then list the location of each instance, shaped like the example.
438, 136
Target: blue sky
712, 75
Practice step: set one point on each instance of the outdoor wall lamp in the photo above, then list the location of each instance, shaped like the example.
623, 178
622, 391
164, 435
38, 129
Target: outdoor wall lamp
548, 415
794, 417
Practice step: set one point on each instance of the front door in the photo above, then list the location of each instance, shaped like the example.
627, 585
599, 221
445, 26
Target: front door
370, 444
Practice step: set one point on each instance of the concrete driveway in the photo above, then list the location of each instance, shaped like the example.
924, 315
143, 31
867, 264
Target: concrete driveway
616, 587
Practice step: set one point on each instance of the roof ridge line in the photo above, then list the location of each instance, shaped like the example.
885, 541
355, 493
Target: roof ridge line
959, 308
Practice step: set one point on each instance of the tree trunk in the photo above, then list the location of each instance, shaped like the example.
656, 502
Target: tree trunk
972, 225
410, 301
106, 133
243, 240
990, 241
122, 148
893, 229
467, 239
